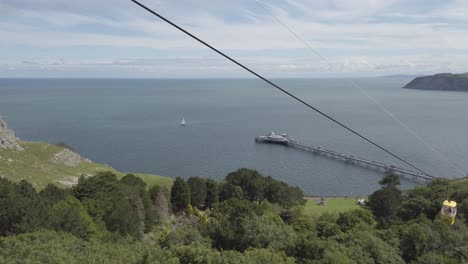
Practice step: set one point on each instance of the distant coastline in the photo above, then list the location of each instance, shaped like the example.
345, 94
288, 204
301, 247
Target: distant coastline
440, 82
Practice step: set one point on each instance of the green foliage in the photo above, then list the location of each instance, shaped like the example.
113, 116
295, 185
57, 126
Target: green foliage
390, 181
354, 218
240, 224
53, 194
326, 229
385, 203
225, 226
159, 197
139, 197
415, 241
198, 191
107, 201
58, 247
107, 220
251, 182
302, 223
180, 195
257, 255
412, 208
21, 208
266, 231
364, 247
196, 254
313, 250
230, 191
212, 196
256, 187
185, 234
463, 209
132, 181
434, 258
281, 193
69, 215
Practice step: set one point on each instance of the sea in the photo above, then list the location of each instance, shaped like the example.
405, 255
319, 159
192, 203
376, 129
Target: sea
133, 125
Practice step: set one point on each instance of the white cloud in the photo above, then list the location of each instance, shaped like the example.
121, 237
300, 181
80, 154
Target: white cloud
356, 36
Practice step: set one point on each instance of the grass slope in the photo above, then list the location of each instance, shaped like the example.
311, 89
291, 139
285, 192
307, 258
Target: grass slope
333, 205
34, 165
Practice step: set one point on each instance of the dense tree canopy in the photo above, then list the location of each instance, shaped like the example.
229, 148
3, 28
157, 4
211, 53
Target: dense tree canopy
256, 219
256, 187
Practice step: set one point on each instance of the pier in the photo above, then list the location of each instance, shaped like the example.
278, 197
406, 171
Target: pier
409, 174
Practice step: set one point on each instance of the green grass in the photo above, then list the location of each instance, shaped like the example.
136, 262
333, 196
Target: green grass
34, 165
333, 205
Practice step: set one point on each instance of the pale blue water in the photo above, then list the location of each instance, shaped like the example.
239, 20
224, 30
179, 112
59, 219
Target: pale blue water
134, 125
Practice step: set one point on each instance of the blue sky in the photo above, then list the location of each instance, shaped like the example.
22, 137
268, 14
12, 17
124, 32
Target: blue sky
89, 38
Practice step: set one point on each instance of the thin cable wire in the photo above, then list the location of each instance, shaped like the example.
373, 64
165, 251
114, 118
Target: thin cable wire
276, 86
333, 68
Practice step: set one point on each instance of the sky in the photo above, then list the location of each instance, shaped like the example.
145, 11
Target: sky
118, 39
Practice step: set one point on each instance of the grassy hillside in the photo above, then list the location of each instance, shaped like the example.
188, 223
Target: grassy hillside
35, 165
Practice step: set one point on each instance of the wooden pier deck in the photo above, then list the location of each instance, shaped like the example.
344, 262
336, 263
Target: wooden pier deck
412, 175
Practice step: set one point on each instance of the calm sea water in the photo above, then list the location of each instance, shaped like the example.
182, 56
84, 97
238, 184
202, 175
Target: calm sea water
134, 125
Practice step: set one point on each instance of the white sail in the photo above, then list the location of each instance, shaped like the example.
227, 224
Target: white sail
183, 122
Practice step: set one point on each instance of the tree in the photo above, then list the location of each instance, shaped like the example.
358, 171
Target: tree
53, 194
69, 215
255, 255
226, 227
364, 247
9, 203
198, 191
266, 231
281, 193
21, 208
386, 201
230, 191
212, 196
463, 209
137, 203
415, 241
180, 195
256, 187
353, 218
434, 258
251, 182
106, 199
412, 208
140, 198
134, 181
161, 204
390, 181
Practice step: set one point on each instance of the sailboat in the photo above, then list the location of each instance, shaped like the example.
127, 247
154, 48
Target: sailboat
183, 122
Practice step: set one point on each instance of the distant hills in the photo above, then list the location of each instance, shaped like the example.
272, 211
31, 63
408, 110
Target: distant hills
440, 82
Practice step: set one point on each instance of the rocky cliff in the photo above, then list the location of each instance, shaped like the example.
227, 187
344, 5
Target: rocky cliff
441, 81
8, 140
68, 158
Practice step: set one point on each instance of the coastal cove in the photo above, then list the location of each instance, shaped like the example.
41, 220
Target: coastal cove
134, 125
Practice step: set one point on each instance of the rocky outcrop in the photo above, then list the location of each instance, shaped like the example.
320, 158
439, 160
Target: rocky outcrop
441, 82
68, 158
8, 140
